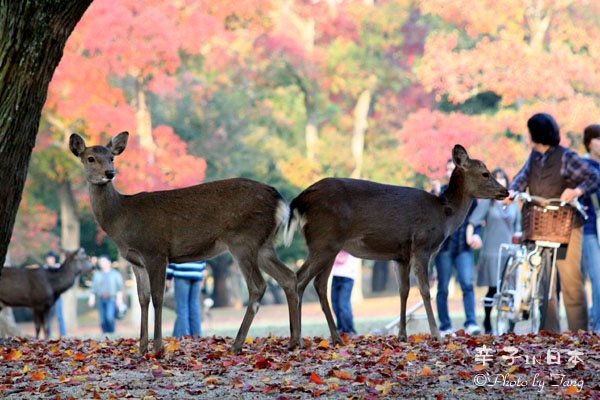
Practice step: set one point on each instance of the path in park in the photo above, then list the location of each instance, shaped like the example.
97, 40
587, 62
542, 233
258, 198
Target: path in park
370, 314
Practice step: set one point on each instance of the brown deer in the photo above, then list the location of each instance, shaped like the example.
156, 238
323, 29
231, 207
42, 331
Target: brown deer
383, 222
39, 288
152, 229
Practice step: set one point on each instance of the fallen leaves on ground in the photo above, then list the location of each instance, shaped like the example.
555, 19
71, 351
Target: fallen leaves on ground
462, 367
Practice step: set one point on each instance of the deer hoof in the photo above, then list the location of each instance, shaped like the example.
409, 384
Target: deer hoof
294, 344
337, 340
236, 348
143, 349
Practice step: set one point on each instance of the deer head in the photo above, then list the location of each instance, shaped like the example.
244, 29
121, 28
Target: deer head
478, 181
98, 160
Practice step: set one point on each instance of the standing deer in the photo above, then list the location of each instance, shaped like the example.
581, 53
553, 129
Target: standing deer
383, 222
39, 288
152, 229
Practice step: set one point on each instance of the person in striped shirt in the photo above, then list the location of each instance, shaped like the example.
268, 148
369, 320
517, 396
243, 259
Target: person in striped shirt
187, 278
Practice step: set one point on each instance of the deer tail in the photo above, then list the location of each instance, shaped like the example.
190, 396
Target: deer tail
295, 221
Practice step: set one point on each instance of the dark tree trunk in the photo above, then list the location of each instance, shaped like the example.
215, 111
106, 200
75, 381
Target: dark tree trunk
32, 38
225, 293
381, 273
70, 240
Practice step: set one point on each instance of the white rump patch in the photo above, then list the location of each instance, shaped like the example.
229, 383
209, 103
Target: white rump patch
297, 221
282, 214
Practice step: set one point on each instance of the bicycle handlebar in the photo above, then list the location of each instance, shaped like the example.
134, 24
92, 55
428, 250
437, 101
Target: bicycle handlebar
544, 202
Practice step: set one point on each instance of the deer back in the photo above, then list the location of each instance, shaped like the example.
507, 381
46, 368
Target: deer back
377, 221
196, 222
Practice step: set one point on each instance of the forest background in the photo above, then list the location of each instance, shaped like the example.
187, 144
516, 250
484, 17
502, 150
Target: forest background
287, 92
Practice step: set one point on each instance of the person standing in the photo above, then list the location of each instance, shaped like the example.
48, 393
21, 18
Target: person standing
553, 171
187, 278
590, 254
501, 222
52, 263
107, 293
456, 252
345, 269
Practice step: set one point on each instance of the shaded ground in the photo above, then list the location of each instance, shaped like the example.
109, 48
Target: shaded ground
365, 367
88, 365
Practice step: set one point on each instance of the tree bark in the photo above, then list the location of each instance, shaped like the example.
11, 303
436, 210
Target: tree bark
311, 136
70, 240
381, 273
32, 39
8, 326
361, 113
224, 272
144, 121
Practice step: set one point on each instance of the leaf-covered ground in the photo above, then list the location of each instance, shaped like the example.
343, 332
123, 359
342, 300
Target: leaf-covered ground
471, 367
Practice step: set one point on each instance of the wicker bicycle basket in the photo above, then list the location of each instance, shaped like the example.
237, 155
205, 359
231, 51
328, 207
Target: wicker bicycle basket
549, 224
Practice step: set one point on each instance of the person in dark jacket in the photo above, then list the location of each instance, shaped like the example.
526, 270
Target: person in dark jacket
553, 171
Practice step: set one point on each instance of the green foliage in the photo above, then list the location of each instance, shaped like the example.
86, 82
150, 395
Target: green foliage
481, 103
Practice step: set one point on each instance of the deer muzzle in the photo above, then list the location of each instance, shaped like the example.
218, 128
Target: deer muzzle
502, 195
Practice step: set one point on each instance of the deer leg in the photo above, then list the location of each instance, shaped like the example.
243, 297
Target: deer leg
157, 270
142, 281
45, 318
420, 267
37, 322
303, 276
302, 281
287, 280
256, 289
321, 287
403, 277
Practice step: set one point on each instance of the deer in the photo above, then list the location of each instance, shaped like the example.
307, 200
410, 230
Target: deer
383, 222
39, 288
151, 229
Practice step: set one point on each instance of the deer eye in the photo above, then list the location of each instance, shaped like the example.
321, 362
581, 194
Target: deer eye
486, 175
91, 159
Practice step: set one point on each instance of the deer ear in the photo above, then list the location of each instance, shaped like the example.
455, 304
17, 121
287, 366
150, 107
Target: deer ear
118, 143
460, 156
76, 144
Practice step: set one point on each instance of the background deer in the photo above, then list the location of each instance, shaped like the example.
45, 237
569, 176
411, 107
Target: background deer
190, 224
383, 222
38, 288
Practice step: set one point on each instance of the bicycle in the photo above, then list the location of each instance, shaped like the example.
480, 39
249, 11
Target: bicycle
527, 269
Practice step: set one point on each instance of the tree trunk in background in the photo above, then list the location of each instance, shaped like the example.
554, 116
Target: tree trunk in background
32, 38
70, 240
8, 326
361, 113
144, 121
311, 135
381, 273
226, 292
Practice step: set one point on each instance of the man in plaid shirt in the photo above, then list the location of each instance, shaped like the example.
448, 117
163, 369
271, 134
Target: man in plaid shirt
553, 171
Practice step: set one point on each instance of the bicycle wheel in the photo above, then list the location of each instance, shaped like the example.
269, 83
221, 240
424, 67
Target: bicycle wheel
507, 303
539, 301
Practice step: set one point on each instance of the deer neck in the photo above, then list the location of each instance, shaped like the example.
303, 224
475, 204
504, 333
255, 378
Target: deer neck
63, 278
456, 201
106, 204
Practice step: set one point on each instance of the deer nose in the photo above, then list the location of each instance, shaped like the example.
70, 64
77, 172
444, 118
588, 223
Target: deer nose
110, 174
